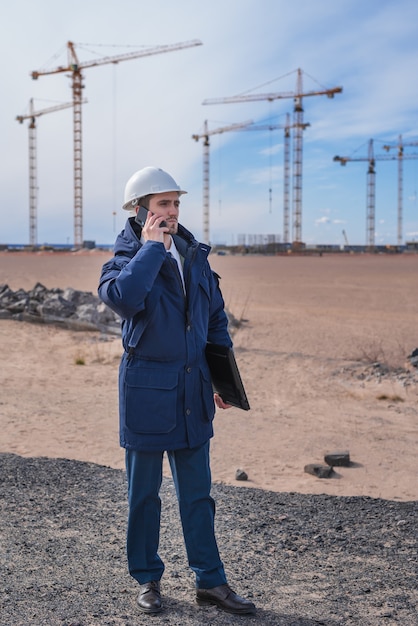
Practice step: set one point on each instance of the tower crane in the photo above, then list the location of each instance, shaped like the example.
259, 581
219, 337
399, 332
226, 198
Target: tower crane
75, 67
400, 146
297, 96
244, 126
371, 185
206, 143
33, 169
345, 239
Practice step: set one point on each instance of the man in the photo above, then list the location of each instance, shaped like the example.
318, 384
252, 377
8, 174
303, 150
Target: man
161, 285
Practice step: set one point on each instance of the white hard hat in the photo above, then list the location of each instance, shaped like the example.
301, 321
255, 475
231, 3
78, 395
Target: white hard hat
147, 181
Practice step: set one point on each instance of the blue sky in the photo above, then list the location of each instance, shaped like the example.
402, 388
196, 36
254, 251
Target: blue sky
144, 112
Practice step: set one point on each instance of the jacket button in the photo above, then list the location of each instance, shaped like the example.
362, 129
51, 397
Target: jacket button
188, 411
188, 370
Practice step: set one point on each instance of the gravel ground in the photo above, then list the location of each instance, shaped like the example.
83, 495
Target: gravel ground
303, 559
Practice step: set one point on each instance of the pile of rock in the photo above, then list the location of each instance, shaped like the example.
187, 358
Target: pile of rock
413, 358
68, 308
332, 459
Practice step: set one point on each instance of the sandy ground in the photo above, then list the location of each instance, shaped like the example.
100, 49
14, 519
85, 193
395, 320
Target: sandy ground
312, 327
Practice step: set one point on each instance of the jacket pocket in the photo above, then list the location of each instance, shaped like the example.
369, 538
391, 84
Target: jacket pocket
150, 400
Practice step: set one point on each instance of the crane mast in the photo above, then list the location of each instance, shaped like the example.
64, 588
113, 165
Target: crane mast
298, 124
371, 197
400, 191
77, 87
33, 186
33, 168
286, 181
75, 68
345, 239
206, 166
297, 162
400, 146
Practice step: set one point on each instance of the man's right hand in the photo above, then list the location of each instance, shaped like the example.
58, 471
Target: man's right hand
152, 231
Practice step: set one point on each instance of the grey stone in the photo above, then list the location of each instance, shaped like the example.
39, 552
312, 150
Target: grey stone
241, 475
57, 306
338, 459
38, 292
18, 305
320, 471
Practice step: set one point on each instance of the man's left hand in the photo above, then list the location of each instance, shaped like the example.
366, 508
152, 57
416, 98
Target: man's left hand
220, 403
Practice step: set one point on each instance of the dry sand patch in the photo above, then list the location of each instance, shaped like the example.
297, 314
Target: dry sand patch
314, 326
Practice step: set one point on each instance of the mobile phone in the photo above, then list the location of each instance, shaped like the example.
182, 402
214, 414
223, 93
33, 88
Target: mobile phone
141, 217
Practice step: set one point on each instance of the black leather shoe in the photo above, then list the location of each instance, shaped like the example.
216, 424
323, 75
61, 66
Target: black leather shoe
149, 598
226, 599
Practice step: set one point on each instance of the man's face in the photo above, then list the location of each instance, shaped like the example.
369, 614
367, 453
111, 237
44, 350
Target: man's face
167, 205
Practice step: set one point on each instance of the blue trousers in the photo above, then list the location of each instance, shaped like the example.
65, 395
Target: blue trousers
192, 479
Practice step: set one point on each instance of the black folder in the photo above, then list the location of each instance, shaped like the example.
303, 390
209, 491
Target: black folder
226, 379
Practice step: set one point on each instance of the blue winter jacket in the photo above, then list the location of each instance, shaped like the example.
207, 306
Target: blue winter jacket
165, 391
